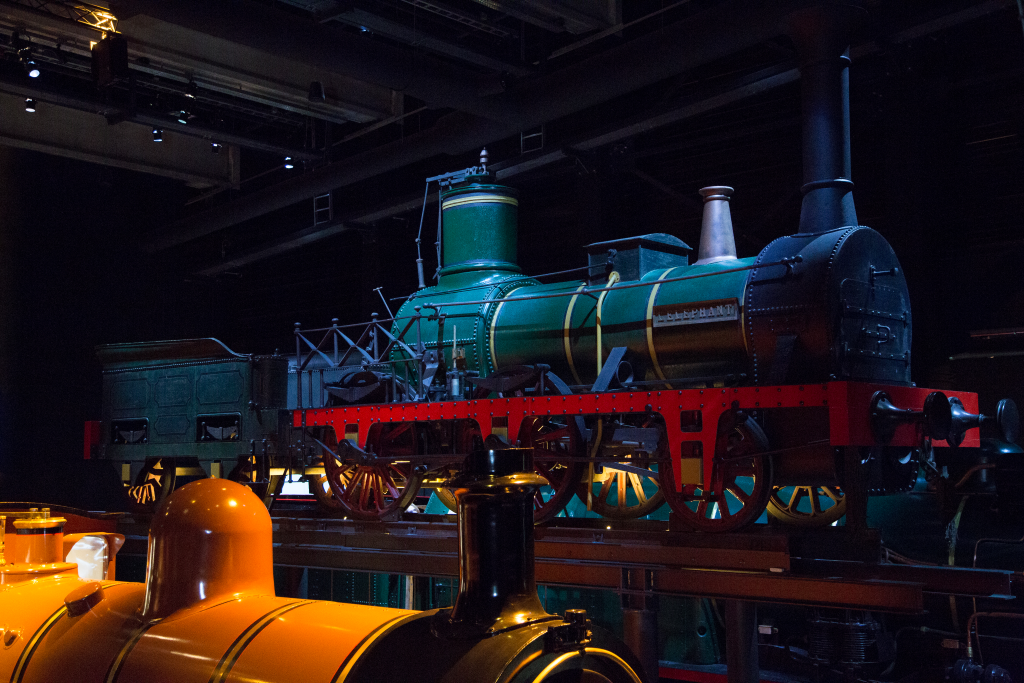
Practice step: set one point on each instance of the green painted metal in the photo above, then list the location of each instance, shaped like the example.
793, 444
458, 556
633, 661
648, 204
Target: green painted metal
468, 324
709, 348
535, 331
183, 394
480, 222
689, 328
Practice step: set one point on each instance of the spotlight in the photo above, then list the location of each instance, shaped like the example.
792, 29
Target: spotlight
158, 135
191, 90
215, 147
316, 92
31, 68
30, 105
288, 162
183, 117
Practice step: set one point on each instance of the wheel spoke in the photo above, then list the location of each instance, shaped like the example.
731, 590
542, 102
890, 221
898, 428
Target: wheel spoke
638, 487
741, 495
815, 500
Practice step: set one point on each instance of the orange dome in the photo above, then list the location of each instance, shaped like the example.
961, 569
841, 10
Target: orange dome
210, 539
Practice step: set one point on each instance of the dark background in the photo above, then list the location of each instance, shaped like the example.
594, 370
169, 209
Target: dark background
937, 161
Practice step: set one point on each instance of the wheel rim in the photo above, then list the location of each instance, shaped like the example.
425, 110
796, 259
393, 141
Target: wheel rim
466, 436
377, 491
320, 487
807, 505
740, 486
619, 494
556, 447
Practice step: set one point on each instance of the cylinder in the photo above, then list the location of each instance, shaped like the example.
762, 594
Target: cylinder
479, 228
38, 540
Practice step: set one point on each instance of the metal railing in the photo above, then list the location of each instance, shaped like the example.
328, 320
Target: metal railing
337, 347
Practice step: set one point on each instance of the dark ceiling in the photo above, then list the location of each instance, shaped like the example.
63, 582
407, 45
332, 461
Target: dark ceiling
607, 115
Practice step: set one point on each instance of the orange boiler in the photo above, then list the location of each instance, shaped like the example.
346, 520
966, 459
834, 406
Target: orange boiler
207, 612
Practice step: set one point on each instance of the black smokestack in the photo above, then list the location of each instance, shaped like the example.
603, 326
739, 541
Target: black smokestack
821, 34
497, 589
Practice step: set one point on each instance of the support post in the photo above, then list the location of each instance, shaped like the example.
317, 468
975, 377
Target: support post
409, 594
855, 490
640, 619
741, 642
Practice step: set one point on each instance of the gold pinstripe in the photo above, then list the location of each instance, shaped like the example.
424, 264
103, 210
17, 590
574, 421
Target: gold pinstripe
650, 327
353, 658
613, 278
227, 662
37, 637
494, 324
33, 643
479, 199
565, 334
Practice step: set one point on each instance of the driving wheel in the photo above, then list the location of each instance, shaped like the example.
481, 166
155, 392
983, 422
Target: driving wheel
383, 490
624, 483
807, 505
740, 481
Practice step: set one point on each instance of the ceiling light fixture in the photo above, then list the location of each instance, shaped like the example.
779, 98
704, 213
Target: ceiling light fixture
158, 135
183, 117
288, 162
215, 147
31, 68
30, 105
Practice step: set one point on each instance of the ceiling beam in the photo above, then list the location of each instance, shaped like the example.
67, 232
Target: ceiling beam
265, 40
268, 81
418, 38
712, 34
84, 136
113, 113
510, 169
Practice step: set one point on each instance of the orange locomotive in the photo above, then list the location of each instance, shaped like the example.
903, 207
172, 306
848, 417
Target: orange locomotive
208, 612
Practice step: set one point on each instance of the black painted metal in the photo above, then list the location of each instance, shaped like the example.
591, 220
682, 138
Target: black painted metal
822, 37
741, 642
497, 590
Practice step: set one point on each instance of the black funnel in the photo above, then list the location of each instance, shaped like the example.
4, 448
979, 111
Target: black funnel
497, 590
821, 34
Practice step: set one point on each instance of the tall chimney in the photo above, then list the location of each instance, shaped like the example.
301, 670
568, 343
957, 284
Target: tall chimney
821, 34
497, 590
717, 242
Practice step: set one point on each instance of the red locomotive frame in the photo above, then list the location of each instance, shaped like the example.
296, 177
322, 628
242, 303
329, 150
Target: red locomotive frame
848, 403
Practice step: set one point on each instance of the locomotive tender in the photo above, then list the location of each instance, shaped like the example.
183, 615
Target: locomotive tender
722, 386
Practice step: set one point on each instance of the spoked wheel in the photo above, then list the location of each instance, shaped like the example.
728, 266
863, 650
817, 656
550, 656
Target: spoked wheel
380, 491
320, 487
465, 438
627, 488
740, 486
807, 505
557, 440
557, 446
